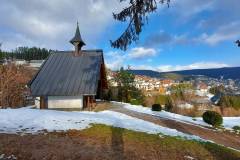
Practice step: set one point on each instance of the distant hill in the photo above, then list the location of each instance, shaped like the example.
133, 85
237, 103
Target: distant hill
228, 72
155, 74
148, 73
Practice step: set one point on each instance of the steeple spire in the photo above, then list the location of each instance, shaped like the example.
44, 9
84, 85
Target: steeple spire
77, 40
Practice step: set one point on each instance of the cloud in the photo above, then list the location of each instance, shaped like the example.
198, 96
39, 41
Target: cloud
158, 39
221, 23
117, 59
162, 38
185, 10
218, 11
168, 68
141, 52
197, 65
221, 13
115, 65
12, 41
143, 67
228, 32
51, 23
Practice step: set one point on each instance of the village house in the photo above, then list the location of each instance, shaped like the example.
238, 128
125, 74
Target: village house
70, 79
145, 83
202, 87
167, 82
162, 90
111, 78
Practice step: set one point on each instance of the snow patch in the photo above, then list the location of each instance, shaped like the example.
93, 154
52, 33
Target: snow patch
189, 158
27, 120
185, 105
209, 95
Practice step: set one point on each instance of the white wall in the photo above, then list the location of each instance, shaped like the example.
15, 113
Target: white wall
65, 102
62, 102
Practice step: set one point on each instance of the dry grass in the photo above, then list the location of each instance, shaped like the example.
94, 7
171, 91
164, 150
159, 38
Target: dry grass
227, 111
101, 106
193, 112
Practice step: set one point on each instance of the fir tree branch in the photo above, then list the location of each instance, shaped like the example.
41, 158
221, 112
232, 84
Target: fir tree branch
137, 13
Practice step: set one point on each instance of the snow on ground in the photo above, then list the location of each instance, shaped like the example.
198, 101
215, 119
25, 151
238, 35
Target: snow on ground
185, 105
34, 120
228, 122
209, 95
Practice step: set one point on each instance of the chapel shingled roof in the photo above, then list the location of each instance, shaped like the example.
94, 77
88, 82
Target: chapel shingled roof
63, 74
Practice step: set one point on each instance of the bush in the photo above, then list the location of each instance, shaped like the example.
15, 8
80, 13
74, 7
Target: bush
168, 104
213, 118
135, 102
236, 128
156, 107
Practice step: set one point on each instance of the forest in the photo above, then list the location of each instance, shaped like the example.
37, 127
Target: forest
26, 53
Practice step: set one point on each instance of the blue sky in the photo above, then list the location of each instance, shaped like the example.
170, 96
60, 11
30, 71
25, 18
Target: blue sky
189, 34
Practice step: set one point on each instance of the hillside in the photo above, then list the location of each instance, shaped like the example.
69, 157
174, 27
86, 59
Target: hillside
149, 73
229, 72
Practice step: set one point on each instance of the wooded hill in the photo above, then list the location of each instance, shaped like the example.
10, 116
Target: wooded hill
226, 73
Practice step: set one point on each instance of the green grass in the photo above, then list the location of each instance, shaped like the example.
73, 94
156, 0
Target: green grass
159, 144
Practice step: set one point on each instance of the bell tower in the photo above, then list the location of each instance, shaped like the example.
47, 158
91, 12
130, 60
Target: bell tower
77, 42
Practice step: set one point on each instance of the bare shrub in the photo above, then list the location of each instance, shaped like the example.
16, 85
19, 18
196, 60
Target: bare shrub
13, 81
226, 111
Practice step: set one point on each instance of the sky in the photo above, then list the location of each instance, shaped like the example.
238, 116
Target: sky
189, 34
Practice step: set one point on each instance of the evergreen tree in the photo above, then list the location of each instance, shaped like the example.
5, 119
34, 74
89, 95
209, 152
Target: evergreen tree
28, 54
126, 89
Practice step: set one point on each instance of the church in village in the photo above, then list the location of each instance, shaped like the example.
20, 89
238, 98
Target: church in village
70, 79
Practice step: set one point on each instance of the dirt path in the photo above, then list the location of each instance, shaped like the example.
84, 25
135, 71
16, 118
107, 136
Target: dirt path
224, 138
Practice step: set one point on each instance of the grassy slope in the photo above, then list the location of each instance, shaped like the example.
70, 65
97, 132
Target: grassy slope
158, 146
